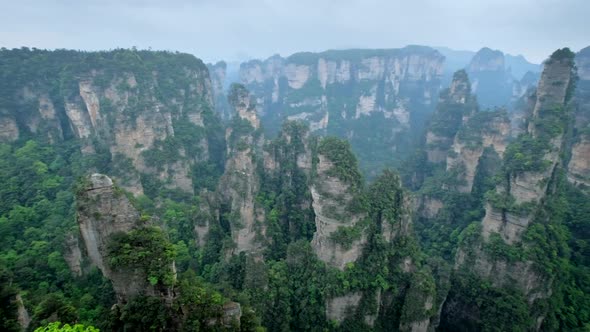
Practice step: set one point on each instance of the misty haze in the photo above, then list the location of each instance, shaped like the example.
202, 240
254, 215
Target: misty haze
300, 165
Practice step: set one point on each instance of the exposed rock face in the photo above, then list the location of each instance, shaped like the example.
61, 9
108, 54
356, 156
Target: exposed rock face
455, 105
583, 64
492, 80
523, 275
427, 207
126, 110
73, 255
338, 308
332, 199
524, 190
531, 186
527, 82
218, 73
579, 164
240, 182
487, 59
483, 129
343, 93
24, 319
8, 129
207, 215
232, 312
103, 211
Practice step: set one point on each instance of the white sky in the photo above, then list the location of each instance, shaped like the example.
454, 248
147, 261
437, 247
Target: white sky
239, 29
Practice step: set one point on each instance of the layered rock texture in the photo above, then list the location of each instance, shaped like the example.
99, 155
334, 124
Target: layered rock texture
289, 224
218, 73
354, 94
493, 81
124, 107
456, 104
103, 211
480, 131
240, 183
334, 196
579, 163
530, 165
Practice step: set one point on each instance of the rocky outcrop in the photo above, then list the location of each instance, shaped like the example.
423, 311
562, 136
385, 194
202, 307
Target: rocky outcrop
456, 104
218, 73
493, 81
530, 187
426, 206
240, 182
121, 105
8, 129
73, 255
343, 93
23, 317
338, 308
103, 211
583, 64
481, 130
515, 203
419, 303
487, 59
490, 82
332, 202
579, 163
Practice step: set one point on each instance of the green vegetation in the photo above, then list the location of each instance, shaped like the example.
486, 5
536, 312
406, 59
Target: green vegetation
57, 327
344, 162
346, 236
285, 193
284, 286
146, 248
498, 309
449, 114
562, 54
481, 123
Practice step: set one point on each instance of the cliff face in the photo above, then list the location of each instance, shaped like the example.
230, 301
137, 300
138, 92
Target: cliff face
333, 201
355, 226
104, 211
579, 164
73, 254
492, 79
124, 106
456, 104
529, 186
354, 94
529, 166
218, 73
481, 130
240, 182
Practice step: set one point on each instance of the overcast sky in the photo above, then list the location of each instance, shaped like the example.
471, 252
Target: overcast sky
239, 29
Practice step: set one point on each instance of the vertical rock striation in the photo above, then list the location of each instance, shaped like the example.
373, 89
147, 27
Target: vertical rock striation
529, 168
355, 94
579, 163
123, 106
456, 104
104, 211
240, 182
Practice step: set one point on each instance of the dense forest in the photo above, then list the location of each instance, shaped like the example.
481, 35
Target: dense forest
134, 199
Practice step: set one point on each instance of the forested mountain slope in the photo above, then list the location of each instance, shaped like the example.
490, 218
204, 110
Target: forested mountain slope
128, 204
